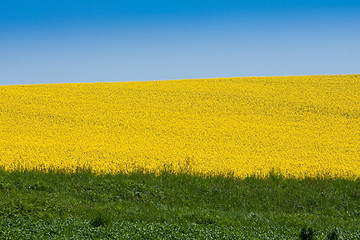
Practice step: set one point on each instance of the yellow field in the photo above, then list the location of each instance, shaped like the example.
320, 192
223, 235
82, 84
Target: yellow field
299, 126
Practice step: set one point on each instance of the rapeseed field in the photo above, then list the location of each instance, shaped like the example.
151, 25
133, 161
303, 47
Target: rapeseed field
303, 126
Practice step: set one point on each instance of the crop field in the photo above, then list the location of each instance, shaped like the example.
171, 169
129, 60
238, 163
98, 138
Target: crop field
304, 126
235, 158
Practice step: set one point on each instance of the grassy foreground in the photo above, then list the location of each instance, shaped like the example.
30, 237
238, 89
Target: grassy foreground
82, 205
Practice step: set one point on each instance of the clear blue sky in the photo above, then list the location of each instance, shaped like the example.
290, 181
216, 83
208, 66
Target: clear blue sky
43, 41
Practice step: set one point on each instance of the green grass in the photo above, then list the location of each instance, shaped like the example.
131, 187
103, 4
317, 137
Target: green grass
80, 206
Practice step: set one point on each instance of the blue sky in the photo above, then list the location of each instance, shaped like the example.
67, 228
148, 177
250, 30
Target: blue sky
113, 40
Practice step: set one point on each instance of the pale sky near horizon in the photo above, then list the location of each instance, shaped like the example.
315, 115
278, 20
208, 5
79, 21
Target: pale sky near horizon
106, 40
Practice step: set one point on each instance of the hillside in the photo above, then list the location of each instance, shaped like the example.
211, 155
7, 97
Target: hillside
298, 126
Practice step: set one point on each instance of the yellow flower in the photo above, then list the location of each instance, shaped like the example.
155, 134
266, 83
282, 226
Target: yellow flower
303, 126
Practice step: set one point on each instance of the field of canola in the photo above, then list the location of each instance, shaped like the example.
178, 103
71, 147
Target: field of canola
298, 126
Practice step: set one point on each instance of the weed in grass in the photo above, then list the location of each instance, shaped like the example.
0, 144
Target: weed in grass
334, 234
100, 221
307, 233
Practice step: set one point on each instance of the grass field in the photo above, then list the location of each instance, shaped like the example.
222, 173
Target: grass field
236, 158
137, 206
